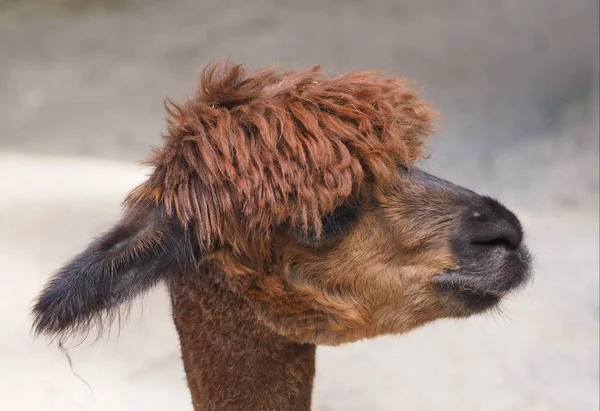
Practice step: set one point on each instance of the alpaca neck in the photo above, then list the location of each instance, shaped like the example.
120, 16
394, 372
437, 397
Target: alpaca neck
231, 360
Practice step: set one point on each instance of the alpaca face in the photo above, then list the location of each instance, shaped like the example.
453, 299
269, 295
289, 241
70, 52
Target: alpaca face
300, 190
420, 250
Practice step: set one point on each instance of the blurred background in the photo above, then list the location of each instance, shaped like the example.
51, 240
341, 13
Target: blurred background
81, 89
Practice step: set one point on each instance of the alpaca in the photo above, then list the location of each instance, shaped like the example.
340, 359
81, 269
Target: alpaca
284, 210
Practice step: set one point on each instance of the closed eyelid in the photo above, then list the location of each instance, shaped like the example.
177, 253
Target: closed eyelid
335, 226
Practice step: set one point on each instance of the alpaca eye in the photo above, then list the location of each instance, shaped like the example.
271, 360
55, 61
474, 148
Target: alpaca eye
335, 226
340, 221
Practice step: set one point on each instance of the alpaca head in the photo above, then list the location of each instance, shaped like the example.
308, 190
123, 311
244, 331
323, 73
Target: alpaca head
302, 191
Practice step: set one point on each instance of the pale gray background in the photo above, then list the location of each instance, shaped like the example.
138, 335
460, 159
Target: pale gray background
81, 90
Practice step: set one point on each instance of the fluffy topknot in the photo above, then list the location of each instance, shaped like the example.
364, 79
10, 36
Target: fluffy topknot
248, 153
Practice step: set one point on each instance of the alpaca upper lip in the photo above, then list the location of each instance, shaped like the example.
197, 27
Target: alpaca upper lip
505, 271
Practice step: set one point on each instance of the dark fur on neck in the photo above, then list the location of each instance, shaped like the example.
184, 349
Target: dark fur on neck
233, 361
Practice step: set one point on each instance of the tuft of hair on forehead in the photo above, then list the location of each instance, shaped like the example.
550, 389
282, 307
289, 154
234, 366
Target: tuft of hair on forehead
247, 153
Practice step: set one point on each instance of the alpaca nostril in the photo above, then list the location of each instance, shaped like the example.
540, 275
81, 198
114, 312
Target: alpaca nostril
497, 233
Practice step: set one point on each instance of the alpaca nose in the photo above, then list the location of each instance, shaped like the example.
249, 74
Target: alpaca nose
492, 225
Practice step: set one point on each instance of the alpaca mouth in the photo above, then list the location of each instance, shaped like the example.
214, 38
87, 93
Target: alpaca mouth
480, 285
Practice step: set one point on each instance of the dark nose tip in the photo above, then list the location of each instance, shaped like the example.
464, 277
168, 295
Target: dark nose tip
493, 225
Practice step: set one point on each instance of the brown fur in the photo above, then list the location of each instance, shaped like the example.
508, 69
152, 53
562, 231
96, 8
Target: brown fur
248, 153
232, 360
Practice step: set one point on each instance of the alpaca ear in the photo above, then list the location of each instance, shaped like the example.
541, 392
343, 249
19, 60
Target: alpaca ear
144, 248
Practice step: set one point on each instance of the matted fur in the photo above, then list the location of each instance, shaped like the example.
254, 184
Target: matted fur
248, 153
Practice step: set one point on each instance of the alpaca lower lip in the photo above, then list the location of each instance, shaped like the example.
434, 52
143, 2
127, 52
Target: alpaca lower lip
464, 297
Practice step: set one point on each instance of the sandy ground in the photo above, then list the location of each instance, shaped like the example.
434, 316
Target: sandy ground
80, 102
